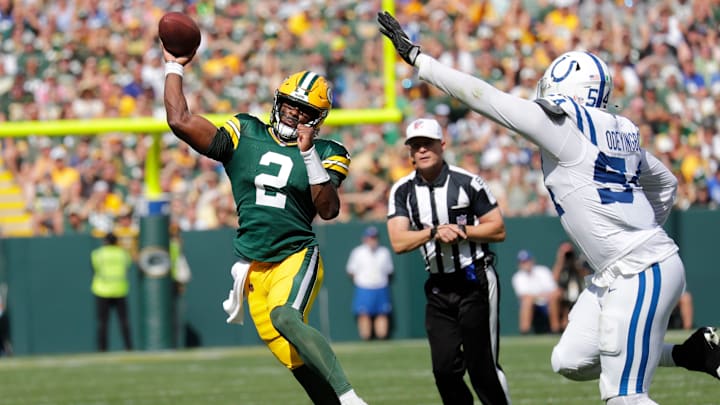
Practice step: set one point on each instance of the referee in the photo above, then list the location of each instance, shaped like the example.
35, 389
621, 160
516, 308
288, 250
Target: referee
451, 216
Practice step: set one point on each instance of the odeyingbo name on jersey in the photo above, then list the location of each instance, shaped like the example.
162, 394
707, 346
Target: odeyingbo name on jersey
623, 141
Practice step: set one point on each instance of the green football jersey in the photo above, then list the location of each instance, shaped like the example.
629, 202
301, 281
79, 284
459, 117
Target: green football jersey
272, 194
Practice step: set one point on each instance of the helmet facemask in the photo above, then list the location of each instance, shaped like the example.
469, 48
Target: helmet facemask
286, 131
581, 76
310, 95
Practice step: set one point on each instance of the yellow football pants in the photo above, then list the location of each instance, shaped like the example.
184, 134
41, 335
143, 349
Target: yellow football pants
295, 281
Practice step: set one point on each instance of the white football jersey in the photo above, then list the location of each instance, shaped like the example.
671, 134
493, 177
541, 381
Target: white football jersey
612, 195
599, 196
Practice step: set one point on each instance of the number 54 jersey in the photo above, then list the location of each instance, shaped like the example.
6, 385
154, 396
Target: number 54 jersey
271, 190
614, 197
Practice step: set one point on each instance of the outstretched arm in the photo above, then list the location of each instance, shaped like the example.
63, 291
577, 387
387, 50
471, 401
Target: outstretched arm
525, 117
193, 129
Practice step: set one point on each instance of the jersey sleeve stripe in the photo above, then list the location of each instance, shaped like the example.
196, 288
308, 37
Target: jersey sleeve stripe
337, 163
232, 126
578, 116
591, 127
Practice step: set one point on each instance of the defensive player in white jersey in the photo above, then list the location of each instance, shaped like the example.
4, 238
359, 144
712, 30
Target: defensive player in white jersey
612, 197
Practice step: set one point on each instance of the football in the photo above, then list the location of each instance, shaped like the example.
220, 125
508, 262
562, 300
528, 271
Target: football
179, 34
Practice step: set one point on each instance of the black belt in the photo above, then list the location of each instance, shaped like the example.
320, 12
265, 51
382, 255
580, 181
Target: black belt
468, 272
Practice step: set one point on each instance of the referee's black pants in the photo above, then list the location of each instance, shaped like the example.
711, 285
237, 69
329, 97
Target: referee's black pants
460, 334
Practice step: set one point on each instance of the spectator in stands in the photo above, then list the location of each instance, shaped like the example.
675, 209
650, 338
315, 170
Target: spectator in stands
127, 231
75, 222
47, 208
55, 64
65, 178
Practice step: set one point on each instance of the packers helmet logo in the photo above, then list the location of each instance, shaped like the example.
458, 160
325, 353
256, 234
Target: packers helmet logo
329, 94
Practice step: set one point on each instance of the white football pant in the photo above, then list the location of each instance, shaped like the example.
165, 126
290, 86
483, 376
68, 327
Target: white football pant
616, 334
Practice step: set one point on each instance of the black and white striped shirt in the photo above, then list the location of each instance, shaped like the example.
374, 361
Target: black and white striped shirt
455, 197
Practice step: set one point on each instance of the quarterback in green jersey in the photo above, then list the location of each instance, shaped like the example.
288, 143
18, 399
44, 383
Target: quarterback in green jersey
281, 177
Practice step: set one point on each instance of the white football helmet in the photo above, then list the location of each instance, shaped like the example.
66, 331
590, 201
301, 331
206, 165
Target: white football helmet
581, 76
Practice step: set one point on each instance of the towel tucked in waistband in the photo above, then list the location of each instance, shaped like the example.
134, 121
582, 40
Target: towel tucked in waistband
233, 305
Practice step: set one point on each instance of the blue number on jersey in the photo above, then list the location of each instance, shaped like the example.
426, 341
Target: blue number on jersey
592, 97
612, 170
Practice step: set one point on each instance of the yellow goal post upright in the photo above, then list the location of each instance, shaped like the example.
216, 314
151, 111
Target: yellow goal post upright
339, 117
153, 260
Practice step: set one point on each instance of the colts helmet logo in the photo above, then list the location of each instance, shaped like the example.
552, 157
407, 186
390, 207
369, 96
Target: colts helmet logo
581, 76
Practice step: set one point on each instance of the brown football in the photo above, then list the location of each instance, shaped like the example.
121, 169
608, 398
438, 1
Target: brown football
179, 34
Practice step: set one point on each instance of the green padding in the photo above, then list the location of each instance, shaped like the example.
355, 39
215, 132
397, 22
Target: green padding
49, 284
156, 324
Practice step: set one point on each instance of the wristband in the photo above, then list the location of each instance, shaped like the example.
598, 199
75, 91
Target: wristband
315, 170
462, 228
433, 232
174, 68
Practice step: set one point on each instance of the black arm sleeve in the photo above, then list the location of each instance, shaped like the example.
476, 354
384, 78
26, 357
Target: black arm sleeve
221, 148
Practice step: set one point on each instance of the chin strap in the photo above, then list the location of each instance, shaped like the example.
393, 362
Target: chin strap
281, 129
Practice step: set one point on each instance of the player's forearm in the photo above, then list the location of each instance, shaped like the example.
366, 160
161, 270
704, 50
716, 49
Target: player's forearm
193, 129
326, 200
176, 109
475, 92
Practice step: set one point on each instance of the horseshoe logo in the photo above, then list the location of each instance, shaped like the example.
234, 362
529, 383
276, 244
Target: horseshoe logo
556, 78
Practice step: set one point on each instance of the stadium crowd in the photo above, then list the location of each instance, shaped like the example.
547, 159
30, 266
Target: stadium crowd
79, 59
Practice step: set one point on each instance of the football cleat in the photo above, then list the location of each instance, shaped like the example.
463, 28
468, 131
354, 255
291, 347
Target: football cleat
700, 352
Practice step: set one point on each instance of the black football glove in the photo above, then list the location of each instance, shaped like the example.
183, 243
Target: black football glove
391, 28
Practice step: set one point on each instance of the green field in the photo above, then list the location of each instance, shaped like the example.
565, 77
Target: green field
394, 372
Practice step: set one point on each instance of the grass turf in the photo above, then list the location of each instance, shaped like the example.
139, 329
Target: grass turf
392, 372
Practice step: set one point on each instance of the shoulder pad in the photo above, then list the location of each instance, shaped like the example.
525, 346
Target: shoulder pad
335, 157
330, 146
246, 117
550, 108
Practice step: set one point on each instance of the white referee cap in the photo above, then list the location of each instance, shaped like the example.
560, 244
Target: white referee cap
423, 128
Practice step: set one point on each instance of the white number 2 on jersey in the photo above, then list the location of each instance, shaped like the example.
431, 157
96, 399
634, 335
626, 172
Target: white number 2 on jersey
262, 181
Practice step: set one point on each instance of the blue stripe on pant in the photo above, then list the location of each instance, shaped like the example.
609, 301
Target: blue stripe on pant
645, 348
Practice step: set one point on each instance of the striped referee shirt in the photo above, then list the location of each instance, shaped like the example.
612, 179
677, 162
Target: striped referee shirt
455, 197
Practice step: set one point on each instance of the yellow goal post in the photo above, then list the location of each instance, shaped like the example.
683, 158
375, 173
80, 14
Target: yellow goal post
155, 126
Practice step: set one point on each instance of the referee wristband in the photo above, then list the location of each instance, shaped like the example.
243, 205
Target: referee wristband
315, 170
174, 68
433, 232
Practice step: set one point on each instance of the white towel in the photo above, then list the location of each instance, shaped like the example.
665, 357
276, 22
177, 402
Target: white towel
233, 305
